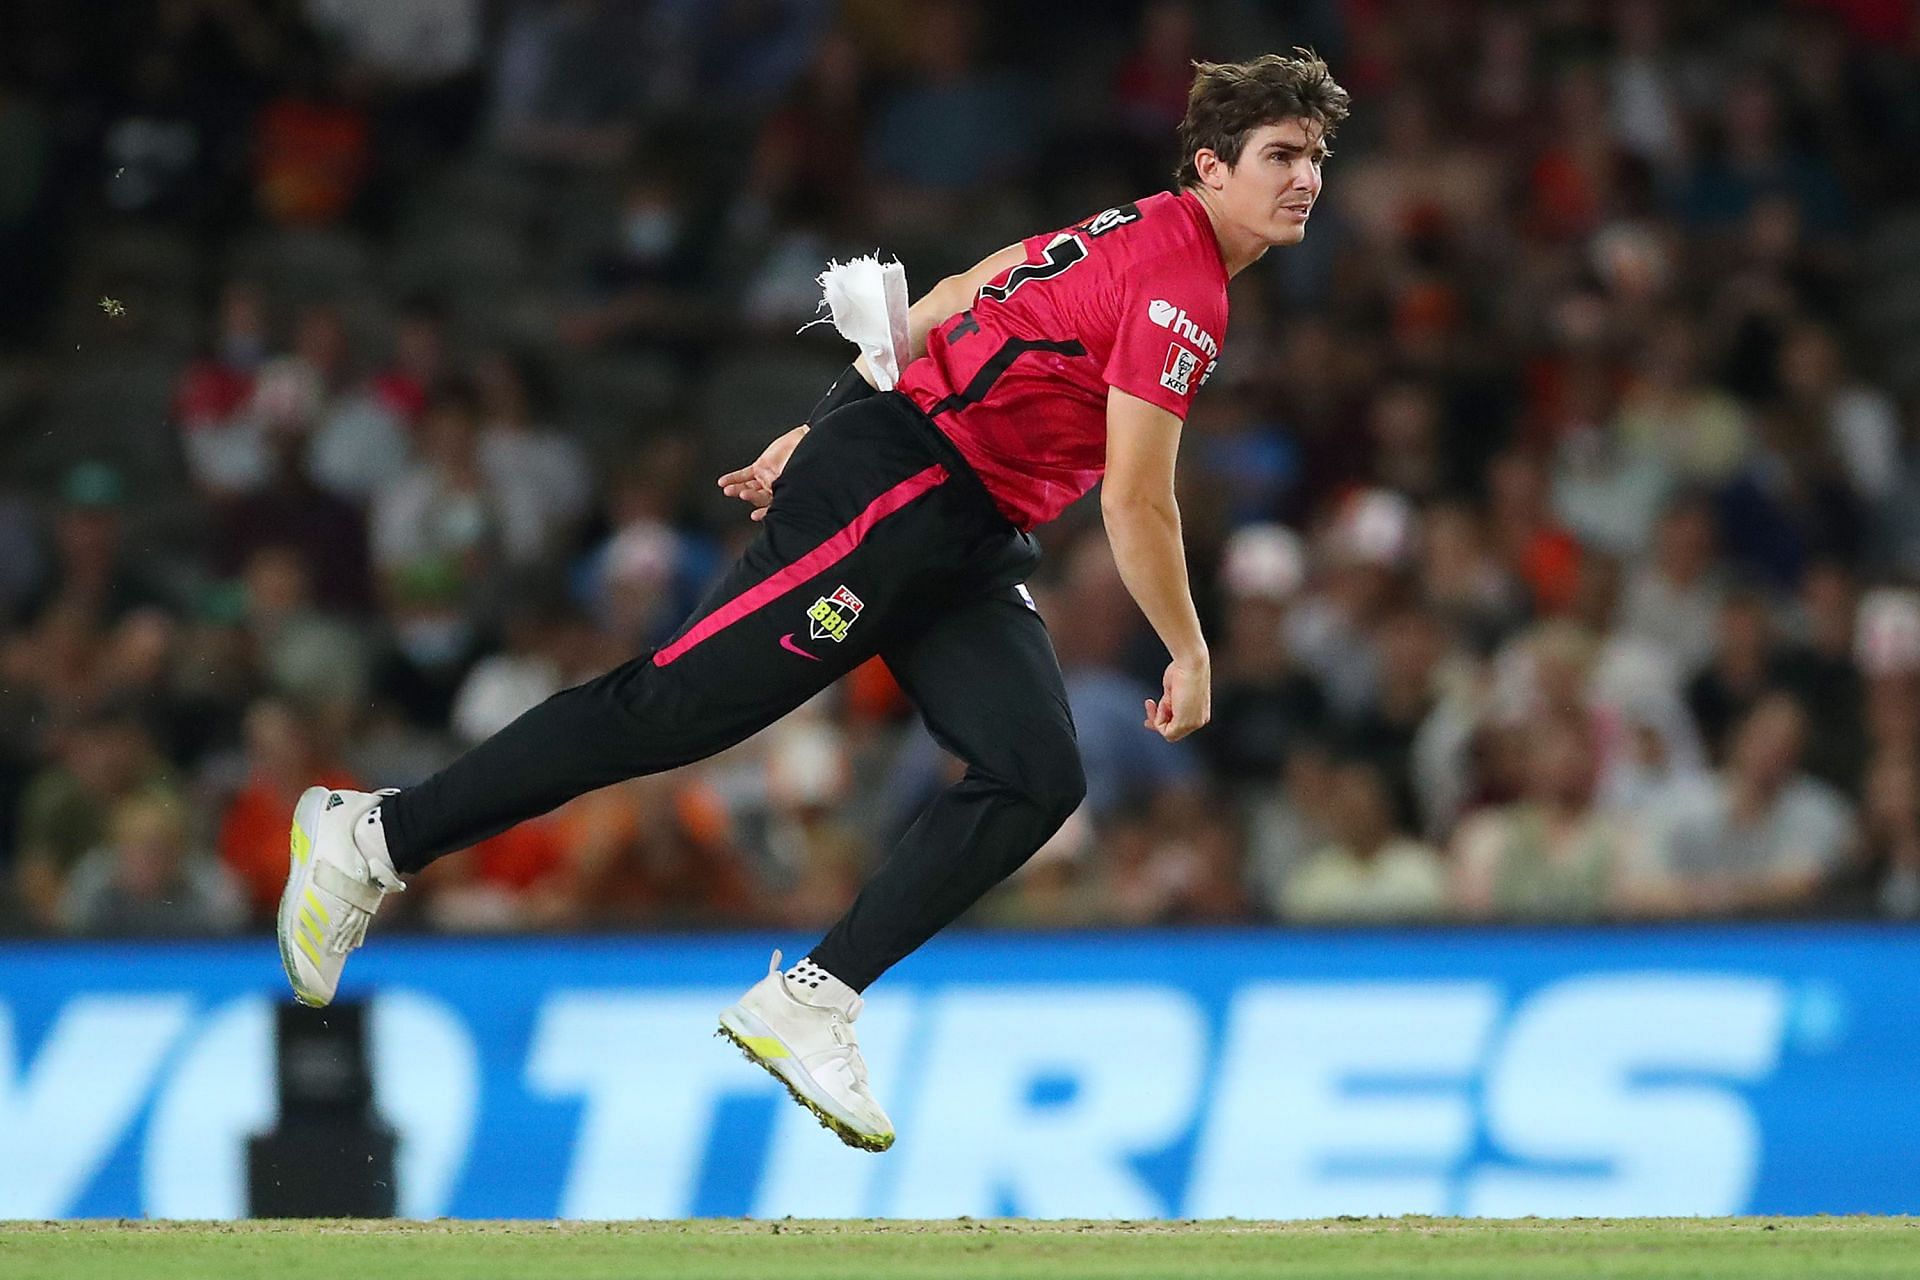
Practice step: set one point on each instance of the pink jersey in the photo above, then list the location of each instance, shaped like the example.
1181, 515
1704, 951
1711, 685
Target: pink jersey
1135, 298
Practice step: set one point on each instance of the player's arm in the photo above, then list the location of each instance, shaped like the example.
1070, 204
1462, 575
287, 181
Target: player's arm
1143, 528
753, 483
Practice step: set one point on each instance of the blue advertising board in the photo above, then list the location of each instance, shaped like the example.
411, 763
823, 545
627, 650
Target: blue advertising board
1186, 1074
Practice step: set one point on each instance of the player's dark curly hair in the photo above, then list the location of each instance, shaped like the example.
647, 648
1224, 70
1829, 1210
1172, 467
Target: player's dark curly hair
1229, 100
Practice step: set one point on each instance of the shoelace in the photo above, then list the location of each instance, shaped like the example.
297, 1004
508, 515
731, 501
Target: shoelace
846, 1048
352, 932
847, 1051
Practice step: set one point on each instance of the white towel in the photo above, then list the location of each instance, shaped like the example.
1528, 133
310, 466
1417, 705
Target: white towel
867, 302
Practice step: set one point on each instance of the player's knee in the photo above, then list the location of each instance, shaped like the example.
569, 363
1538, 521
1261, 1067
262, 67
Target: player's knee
1057, 784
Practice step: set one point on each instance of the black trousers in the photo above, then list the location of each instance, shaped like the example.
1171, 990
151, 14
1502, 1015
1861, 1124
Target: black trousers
880, 540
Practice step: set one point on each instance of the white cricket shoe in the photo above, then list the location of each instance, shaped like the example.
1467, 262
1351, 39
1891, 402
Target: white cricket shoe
333, 888
800, 1028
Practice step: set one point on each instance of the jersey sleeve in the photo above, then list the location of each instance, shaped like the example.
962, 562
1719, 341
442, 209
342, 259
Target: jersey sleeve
1165, 341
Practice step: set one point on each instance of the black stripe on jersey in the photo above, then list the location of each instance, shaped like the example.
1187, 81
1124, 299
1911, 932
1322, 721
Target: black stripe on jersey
998, 363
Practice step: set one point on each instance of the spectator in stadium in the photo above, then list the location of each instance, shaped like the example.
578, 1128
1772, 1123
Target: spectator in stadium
449, 518
570, 78
1890, 836
1412, 647
1645, 107
304, 651
296, 392
1262, 700
1526, 534
215, 676
1091, 618
649, 284
1755, 159
102, 757
1150, 87
1174, 859
1861, 424
1460, 581
815, 859
1334, 629
518, 437
1553, 854
324, 532
519, 880
1313, 386
525, 671
1371, 871
1287, 820
950, 128
223, 446
1060, 887
1899, 526
156, 151
1889, 656
419, 64
146, 879
1421, 182
1790, 506
638, 580
1823, 665
95, 576
419, 367
1744, 667
658, 851
1405, 421
1761, 835
743, 58
1632, 689
284, 747
1673, 600
312, 144
1577, 171
1672, 414
352, 428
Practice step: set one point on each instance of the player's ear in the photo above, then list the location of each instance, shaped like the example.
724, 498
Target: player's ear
1212, 170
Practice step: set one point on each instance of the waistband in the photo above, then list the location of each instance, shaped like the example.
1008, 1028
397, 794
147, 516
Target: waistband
945, 452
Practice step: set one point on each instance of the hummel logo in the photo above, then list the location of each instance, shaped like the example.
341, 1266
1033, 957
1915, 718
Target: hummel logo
335, 800
1168, 316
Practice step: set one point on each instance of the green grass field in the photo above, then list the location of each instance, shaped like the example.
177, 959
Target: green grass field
1594, 1249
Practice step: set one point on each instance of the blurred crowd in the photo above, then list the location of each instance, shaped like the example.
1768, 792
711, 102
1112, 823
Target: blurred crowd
365, 366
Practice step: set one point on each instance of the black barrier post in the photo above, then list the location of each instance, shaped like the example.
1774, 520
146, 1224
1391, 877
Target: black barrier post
330, 1156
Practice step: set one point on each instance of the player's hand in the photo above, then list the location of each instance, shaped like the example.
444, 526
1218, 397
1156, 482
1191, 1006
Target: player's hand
1186, 702
753, 484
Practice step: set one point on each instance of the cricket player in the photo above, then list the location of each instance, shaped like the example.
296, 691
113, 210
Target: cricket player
898, 524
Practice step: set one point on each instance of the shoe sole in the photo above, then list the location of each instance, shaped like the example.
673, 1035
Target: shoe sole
834, 1124
305, 816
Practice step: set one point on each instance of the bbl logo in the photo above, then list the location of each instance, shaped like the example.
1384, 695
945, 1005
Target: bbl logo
831, 617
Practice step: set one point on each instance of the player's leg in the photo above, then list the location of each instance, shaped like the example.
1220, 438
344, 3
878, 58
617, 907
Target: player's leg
986, 679
862, 518
745, 658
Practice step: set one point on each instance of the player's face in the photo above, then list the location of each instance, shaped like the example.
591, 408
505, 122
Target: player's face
1271, 191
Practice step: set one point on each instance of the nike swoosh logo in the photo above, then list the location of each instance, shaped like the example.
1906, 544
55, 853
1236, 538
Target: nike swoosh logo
786, 642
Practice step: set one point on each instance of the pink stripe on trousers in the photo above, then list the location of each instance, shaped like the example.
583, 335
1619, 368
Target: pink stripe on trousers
821, 558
